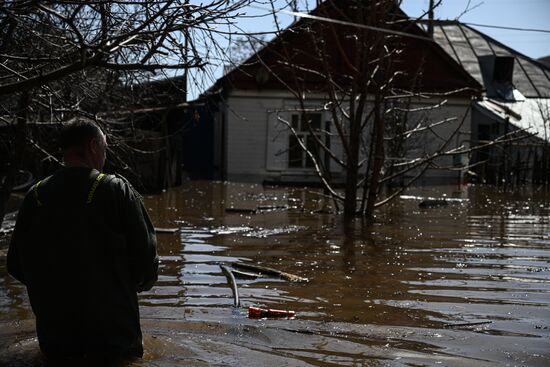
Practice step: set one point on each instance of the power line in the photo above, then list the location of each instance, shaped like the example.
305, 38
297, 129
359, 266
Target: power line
385, 30
343, 22
508, 28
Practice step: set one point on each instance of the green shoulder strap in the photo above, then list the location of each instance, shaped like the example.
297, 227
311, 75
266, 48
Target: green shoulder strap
90, 193
94, 187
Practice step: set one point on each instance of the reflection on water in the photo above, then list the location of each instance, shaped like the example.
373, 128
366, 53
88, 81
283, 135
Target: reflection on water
458, 285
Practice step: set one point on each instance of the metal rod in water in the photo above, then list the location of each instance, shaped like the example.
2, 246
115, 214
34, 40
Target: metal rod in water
232, 283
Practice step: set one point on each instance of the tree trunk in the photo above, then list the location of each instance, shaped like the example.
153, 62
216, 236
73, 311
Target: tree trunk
352, 173
350, 202
18, 153
378, 161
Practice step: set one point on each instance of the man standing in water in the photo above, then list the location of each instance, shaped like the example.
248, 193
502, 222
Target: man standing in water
83, 246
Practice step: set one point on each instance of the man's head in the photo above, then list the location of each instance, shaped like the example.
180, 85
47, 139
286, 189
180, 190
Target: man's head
83, 144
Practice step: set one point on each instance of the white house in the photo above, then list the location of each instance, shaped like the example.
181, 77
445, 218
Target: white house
252, 107
516, 97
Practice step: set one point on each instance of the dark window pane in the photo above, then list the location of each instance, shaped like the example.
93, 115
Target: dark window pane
312, 146
314, 119
294, 152
294, 122
484, 132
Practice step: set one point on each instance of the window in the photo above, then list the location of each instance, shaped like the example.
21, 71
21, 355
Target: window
297, 158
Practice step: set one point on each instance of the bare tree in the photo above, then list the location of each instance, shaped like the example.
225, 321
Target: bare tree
61, 58
541, 147
245, 46
374, 69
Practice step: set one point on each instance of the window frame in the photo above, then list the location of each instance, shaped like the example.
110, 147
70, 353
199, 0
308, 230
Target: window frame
302, 131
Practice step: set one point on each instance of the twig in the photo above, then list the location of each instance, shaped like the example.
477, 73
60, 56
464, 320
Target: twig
271, 271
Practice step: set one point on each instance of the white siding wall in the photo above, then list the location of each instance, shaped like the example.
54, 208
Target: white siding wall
257, 142
247, 137
430, 141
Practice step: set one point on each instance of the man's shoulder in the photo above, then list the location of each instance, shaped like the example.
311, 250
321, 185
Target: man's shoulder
119, 183
33, 192
115, 179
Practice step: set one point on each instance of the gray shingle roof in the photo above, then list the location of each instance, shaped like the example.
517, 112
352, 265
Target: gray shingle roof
465, 45
545, 60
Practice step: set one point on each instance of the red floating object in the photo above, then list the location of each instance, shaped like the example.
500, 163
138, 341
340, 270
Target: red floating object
260, 313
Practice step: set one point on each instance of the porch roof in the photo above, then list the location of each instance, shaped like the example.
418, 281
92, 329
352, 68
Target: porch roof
531, 114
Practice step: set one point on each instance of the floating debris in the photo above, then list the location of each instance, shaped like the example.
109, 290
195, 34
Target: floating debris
240, 210
230, 230
270, 208
270, 271
230, 273
463, 324
258, 209
166, 230
262, 196
433, 203
246, 274
195, 231
267, 232
260, 313
427, 198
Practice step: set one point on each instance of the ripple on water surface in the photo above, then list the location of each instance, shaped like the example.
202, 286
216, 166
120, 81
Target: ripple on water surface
460, 285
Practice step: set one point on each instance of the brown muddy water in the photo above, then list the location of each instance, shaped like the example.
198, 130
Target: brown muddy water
467, 284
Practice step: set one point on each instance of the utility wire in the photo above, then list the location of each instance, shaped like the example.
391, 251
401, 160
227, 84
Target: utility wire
343, 22
391, 31
509, 28
455, 21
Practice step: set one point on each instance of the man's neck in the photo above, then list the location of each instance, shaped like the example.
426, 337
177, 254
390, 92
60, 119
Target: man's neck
73, 161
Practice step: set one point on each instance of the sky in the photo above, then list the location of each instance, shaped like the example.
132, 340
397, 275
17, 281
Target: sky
525, 14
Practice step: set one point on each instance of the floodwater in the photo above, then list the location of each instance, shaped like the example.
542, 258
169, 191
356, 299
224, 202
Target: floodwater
467, 284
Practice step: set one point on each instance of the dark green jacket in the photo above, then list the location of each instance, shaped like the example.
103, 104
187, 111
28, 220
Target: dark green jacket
83, 247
